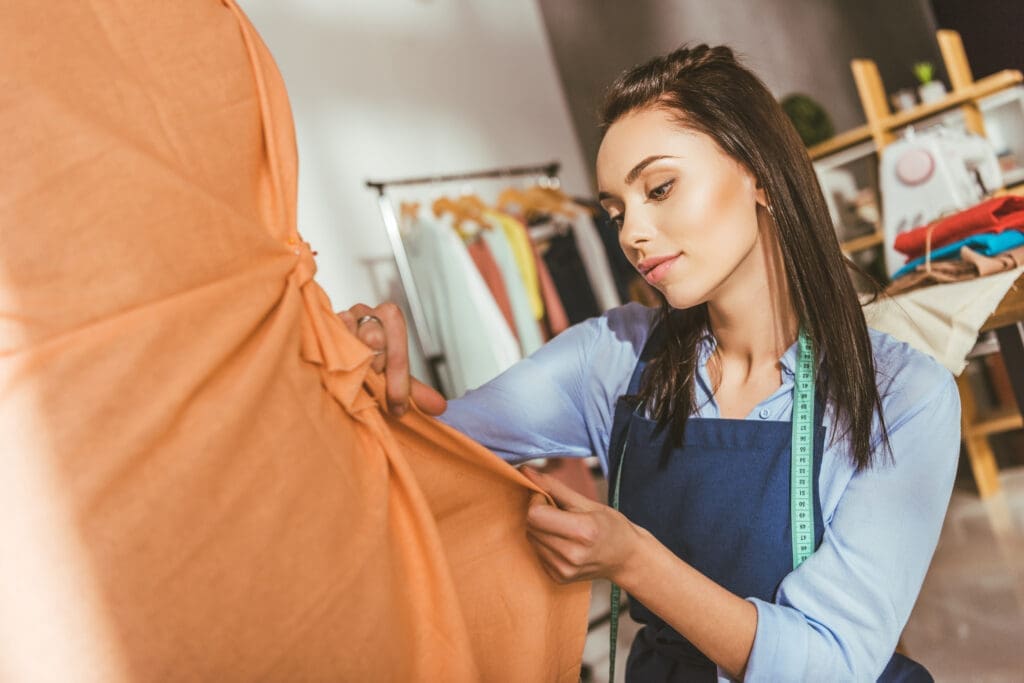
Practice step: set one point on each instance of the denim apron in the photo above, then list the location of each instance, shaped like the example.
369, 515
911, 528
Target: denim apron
721, 502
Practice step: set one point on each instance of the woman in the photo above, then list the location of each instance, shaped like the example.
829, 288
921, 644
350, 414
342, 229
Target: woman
691, 408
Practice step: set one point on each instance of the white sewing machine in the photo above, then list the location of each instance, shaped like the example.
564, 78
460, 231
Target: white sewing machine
925, 175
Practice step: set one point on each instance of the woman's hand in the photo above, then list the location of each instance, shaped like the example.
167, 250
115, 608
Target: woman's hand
383, 329
580, 539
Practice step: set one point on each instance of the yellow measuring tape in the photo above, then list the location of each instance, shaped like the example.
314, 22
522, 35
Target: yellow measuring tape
801, 475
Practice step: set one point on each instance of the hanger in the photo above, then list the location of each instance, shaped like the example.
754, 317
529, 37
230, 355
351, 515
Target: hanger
509, 197
409, 210
464, 209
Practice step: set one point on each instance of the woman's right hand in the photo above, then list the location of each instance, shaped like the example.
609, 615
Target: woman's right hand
382, 328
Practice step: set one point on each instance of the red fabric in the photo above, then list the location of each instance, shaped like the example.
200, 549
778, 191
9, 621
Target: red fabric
994, 215
491, 273
555, 320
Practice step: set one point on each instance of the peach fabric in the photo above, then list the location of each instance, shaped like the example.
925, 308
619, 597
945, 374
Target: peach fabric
198, 480
484, 261
555, 319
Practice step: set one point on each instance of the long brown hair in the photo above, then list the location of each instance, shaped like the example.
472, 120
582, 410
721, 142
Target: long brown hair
709, 91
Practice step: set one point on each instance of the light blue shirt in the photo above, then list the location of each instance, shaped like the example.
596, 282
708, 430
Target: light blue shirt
838, 616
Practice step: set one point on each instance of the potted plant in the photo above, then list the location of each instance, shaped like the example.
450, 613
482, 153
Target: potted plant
930, 89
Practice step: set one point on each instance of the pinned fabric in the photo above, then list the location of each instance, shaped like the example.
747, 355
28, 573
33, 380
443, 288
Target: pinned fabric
199, 479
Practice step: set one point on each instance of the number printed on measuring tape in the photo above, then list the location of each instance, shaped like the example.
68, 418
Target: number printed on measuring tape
801, 494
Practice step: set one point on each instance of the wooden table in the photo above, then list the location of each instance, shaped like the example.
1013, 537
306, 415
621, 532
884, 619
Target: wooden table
977, 426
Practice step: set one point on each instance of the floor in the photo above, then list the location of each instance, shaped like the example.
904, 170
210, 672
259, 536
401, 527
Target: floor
968, 623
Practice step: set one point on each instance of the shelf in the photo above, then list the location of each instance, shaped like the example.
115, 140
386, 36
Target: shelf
840, 142
863, 242
984, 87
996, 422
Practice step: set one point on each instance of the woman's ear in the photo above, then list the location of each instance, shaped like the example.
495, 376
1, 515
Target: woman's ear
761, 197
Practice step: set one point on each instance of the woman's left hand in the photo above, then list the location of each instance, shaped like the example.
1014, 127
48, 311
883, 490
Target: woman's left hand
580, 539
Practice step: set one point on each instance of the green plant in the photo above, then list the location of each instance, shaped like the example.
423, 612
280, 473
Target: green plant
924, 72
809, 118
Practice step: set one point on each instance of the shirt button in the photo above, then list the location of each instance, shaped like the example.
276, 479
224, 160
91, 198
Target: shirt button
763, 413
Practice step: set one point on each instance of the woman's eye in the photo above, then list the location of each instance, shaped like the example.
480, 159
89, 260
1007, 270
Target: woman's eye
618, 219
661, 191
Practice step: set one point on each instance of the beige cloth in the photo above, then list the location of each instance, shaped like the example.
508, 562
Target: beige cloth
942, 320
198, 481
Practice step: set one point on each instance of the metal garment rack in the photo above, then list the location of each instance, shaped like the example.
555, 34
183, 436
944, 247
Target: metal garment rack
431, 347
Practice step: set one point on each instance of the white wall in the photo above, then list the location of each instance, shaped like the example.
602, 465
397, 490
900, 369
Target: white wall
393, 88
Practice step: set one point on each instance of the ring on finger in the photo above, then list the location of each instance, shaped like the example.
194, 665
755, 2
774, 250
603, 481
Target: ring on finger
368, 319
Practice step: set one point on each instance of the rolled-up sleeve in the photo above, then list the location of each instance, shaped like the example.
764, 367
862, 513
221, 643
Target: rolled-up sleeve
838, 616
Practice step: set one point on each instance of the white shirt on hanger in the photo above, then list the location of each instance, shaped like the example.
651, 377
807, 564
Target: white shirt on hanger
460, 310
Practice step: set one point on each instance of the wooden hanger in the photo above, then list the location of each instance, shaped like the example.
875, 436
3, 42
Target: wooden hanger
462, 210
409, 210
549, 200
510, 197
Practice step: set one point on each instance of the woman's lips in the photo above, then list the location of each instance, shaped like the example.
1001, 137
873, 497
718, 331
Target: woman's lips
655, 269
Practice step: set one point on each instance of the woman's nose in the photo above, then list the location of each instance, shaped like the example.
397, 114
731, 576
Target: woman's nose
635, 230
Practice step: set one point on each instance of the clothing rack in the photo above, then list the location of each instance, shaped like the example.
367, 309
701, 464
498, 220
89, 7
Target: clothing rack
430, 347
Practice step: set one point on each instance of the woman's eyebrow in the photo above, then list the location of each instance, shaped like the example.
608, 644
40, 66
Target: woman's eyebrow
639, 168
635, 173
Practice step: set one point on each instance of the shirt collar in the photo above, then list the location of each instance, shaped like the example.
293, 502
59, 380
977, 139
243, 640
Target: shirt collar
708, 344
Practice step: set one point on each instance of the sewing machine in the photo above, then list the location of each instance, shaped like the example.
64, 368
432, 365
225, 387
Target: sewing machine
926, 175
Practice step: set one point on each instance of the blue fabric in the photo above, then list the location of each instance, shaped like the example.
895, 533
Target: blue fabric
989, 244
838, 616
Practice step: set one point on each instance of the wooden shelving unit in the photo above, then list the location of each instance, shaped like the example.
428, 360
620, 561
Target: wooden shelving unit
883, 124
881, 128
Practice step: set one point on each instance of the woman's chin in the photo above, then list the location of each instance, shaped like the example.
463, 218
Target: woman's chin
682, 296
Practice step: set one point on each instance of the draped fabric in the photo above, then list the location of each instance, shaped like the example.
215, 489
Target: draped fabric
198, 477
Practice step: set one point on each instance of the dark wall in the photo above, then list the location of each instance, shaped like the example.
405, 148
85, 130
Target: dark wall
992, 31
794, 45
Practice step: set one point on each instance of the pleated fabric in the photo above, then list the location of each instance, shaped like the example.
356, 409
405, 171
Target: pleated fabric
198, 478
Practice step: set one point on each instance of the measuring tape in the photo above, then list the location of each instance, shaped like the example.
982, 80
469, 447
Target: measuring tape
801, 459
801, 484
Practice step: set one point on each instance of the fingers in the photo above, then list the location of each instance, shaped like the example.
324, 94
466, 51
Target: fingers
566, 498
427, 398
387, 335
554, 566
396, 354
562, 560
349, 320
572, 526
372, 333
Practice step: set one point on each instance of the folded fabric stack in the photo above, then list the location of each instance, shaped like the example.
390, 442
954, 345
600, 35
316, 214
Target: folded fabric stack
985, 239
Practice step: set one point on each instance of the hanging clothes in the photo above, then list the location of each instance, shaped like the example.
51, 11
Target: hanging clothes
526, 326
522, 249
461, 313
488, 268
570, 277
595, 261
623, 272
204, 484
555, 319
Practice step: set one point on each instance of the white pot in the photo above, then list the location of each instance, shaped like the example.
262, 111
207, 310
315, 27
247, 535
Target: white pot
932, 91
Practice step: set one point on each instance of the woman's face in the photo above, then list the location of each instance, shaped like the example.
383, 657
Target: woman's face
687, 212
